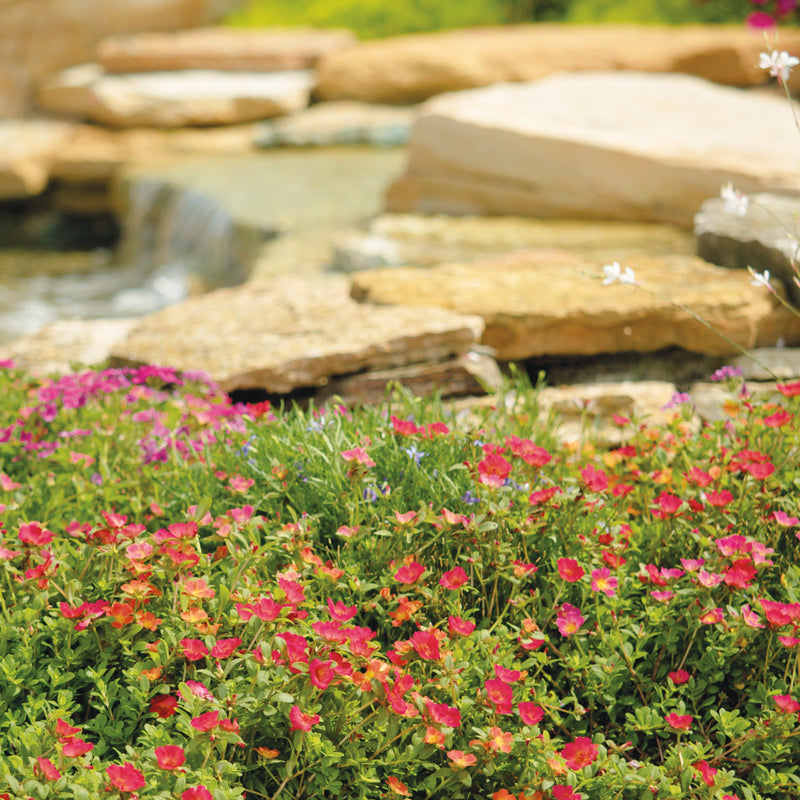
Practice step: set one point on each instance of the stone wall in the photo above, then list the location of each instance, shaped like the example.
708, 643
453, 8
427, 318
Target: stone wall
41, 36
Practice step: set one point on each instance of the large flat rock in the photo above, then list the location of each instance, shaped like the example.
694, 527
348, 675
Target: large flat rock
27, 150
38, 37
246, 50
293, 333
409, 69
764, 238
611, 145
338, 122
174, 99
552, 303
418, 240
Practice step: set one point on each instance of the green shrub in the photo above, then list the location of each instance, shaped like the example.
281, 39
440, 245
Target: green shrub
371, 19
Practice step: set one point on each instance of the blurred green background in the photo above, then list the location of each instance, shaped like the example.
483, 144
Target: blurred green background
371, 19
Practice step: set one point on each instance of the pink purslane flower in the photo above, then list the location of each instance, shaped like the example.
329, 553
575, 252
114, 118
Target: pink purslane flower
680, 722
301, 721
453, 579
580, 753
170, 756
602, 581
569, 619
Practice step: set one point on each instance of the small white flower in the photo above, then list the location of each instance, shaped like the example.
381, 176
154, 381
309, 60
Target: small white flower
614, 272
760, 278
778, 64
735, 201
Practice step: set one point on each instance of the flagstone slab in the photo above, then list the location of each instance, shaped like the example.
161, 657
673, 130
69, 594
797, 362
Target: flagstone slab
27, 149
338, 122
542, 303
230, 49
174, 99
764, 238
601, 145
770, 363
470, 374
293, 333
409, 69
419, 240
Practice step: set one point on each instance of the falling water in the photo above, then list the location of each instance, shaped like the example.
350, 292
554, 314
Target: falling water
175, 241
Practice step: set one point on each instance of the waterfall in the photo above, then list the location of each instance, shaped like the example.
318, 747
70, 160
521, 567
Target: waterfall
177, 240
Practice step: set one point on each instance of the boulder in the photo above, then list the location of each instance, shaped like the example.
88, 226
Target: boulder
92, 154
614, 145
542, 303
38, 37
417, 240
770, 363
339, 122
27, 150
174, 99
577, 412
57, 347
288, 334
242, 50
410, 69
765, 238
469, 374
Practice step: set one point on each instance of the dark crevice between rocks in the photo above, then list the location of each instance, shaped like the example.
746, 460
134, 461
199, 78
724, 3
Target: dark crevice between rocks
35, 225
673, 365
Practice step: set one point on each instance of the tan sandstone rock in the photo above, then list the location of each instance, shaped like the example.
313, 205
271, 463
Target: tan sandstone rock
470, 374
27, 149
174, 99
420, 240
552, 303
245, 50
38, 37
409, 69
293, 333
614, 145
60, 345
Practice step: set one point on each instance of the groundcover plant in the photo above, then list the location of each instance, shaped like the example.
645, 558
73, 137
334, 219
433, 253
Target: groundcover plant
209, 600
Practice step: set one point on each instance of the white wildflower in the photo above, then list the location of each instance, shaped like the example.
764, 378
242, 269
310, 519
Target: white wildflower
614, 272
735, 201
760, 278
778, 64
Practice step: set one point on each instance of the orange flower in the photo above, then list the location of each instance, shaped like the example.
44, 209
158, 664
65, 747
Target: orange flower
500, 740
397, 786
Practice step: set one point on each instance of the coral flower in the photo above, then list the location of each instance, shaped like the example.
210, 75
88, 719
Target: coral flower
493, 471
785, 703
500, 695
301, 721
170, 756
500, 740
453, 579
409, 573
75, 748
707, 772
569, 570
205, 722
460, 759
580, 753
397, 786
126, 778
426, 644
530, 713
197, 793
680, 722
48, 769
194, 649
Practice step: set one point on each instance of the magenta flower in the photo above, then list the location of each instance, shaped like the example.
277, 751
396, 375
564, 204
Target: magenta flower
569, 619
